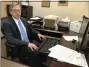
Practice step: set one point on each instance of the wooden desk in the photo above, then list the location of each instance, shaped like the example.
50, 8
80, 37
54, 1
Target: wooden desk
55, 33
54, 63
51, 33
58, 34
81, 62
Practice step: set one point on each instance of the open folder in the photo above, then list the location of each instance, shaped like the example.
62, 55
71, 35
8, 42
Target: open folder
67, 55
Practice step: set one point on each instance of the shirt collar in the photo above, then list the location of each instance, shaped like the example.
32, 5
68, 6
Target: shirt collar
15, 19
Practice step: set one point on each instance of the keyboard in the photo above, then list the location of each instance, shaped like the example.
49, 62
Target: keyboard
46, 44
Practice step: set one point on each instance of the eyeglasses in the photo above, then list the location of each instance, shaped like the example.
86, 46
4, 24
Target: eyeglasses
16, 10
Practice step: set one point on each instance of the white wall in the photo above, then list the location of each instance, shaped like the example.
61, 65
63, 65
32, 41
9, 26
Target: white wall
74, 10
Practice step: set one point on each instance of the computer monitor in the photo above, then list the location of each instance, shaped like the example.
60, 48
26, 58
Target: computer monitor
83, 33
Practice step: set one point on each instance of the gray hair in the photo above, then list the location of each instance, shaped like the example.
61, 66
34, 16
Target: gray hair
13, 5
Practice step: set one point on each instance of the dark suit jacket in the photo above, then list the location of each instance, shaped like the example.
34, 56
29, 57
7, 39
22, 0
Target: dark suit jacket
12, 32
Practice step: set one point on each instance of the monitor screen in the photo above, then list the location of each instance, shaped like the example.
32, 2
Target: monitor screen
83, 32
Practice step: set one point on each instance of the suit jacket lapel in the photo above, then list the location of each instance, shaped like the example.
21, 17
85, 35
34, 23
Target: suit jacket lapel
13, 22
24, 24
15, 26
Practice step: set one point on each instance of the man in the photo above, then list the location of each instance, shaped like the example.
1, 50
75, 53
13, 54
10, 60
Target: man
18, 32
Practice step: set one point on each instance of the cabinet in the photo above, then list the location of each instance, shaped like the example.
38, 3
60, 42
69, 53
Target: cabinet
27, 11
65, 41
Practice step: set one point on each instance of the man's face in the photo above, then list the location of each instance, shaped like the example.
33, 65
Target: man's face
16, 12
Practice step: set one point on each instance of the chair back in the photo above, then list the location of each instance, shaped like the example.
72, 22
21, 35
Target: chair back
11, 50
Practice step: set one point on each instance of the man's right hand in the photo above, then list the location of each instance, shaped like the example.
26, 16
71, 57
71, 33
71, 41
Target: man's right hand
32, 46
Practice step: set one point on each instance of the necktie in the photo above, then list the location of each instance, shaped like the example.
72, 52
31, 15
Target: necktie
23, 32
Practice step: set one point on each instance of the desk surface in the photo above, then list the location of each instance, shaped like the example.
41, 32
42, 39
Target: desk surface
79, 62
55, 63
69, 33
59, 34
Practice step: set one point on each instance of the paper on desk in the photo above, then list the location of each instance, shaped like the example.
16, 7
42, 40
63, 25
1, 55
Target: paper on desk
70, 38
35, 18
80, 60
66, 19
62, 52
65, 54
51, 17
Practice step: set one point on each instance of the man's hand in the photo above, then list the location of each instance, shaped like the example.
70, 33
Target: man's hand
32, 46
41, 36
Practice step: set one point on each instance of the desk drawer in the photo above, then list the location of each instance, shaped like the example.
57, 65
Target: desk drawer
61, 64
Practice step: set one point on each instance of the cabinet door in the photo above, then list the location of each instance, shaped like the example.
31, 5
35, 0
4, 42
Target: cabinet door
27, 12
24, 11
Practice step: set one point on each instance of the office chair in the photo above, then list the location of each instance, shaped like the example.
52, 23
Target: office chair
11, 50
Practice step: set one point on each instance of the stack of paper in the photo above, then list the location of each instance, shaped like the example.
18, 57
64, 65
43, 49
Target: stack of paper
70, 38
68, 55
51, 17
35, 18
66, 19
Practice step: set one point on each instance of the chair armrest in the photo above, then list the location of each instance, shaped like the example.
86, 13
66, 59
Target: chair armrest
10, 45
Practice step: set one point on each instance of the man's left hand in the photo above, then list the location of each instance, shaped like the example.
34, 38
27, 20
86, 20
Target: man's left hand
41, 36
